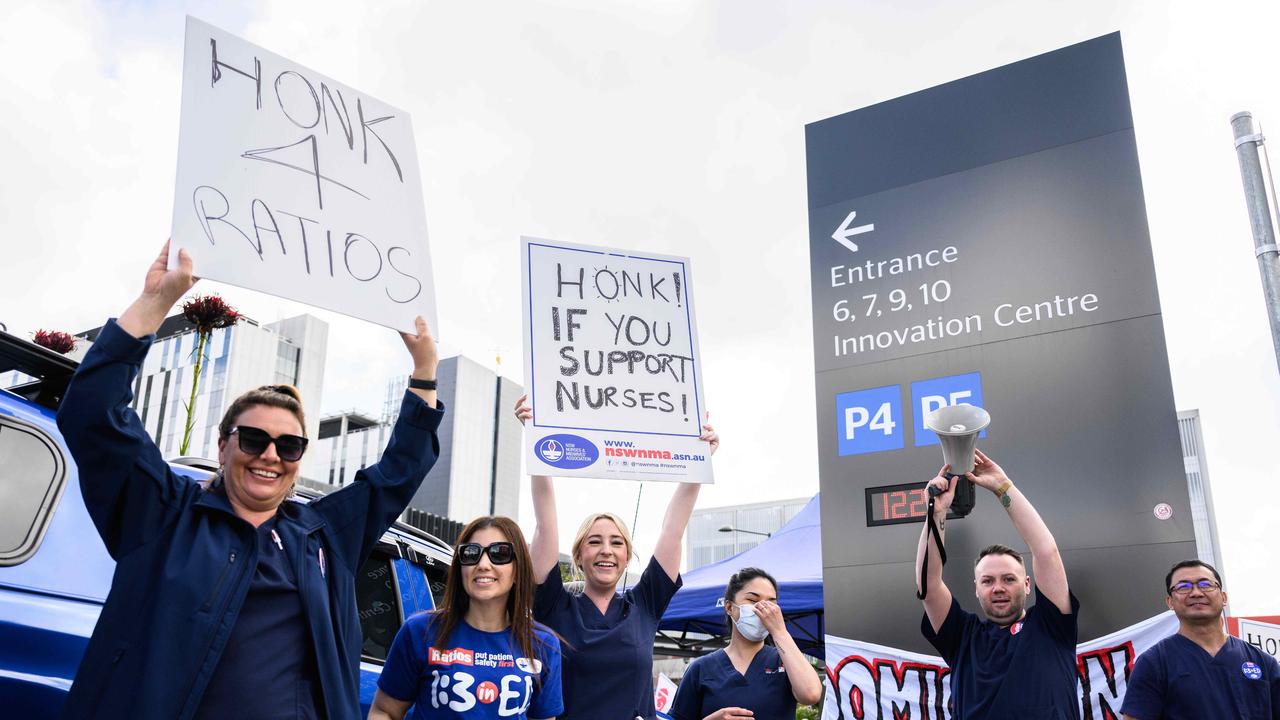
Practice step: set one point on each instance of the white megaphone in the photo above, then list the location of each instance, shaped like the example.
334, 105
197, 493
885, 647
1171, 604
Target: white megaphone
957, 428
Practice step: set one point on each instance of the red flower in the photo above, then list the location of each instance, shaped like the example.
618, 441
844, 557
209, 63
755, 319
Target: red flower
56, 341
209, 312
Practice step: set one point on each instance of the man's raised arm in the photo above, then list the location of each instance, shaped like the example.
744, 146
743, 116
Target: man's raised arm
937, 603
1050, 574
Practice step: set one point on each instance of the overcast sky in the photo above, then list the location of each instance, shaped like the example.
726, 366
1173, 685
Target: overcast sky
676, 127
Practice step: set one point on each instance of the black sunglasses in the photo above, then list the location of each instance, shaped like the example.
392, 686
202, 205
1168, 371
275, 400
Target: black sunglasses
500, 553
254, 441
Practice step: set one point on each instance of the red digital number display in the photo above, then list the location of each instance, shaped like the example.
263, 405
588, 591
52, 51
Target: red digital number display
893, 504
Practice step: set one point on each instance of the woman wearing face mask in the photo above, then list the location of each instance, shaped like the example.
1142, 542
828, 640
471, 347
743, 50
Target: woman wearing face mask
480, 655
228, 600
749, 679
608, 657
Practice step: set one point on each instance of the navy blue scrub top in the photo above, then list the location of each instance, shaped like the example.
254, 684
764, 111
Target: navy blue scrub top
711, 683
607, 660
1177, 679
1026, 670
268, 669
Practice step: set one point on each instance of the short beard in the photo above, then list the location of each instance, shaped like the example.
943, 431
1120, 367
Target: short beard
1016, 606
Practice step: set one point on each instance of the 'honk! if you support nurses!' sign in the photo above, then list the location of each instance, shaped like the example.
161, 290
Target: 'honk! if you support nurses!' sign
612, 361
299, 186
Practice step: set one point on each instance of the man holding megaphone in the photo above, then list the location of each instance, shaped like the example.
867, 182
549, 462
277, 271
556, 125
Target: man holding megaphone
1018, 662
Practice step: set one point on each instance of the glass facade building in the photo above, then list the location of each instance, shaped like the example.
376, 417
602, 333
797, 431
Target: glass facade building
239, 358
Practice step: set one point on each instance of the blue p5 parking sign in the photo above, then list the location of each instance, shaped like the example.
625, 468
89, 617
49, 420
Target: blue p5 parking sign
929, 395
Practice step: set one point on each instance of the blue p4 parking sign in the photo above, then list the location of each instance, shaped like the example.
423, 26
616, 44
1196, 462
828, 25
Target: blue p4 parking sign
869, 420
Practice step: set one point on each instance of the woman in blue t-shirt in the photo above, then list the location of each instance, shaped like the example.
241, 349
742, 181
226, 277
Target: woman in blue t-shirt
608, 637
480, 654
749, 679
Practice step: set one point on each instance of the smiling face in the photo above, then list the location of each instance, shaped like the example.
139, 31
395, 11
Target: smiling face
259, 483
602, 555
1002, 586
484, 581
1198, 607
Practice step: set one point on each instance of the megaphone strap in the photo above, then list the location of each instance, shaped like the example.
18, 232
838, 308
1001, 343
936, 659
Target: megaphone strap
942, 552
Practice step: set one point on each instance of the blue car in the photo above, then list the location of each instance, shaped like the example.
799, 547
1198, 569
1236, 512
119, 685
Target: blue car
55, 572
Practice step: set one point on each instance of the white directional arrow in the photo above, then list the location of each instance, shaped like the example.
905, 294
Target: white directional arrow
844, 232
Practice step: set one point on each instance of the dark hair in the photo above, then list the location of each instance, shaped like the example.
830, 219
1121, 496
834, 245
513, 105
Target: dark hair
285, 397
454, 604
999, 550
739, 580
1168, 579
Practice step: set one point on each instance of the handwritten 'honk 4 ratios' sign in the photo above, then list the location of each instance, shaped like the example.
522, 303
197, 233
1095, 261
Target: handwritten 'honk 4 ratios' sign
299, 186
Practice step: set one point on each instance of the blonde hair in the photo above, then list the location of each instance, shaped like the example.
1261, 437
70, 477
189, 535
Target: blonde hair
581, 538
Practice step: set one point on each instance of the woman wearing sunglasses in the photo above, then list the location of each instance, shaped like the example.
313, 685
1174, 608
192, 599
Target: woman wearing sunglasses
749, 679
227, 600
480, 655
608, 658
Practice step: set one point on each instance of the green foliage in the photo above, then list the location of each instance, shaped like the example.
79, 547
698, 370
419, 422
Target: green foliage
808, 712
813, 712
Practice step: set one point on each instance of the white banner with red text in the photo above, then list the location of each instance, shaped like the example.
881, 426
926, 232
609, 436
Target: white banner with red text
874, 682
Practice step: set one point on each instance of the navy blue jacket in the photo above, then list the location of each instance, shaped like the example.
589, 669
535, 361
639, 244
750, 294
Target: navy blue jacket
184, 560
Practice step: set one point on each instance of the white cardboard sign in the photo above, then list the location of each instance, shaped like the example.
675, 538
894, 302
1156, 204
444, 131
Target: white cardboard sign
664, 693
612, 364
296, 185
1264, 636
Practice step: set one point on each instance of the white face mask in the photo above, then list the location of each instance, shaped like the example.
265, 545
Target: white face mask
749, 625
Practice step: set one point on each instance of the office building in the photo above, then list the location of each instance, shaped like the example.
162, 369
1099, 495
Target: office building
750, 525
1197, 469
239, 358
478, 472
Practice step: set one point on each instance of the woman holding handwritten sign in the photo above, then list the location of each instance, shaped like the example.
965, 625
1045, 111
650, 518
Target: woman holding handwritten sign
608, 657
227, 601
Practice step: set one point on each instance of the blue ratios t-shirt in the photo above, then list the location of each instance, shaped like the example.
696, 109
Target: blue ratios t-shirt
712, 683
1025, 670
1178, 680
476, 674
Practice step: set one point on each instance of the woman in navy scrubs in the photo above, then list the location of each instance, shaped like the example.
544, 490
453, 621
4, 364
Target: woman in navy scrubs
229, 600
608, 636
749, 679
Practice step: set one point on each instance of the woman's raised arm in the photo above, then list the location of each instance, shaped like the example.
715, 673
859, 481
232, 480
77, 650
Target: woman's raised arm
545, 545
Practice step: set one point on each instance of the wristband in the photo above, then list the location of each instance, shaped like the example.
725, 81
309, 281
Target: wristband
1002, 492
416, 384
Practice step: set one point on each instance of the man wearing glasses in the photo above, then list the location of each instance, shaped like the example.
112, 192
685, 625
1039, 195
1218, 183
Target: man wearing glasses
1201, 672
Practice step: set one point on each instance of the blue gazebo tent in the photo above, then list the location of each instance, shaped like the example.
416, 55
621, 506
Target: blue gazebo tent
793, 555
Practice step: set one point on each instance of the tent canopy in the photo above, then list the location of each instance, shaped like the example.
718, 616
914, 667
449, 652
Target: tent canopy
793, 556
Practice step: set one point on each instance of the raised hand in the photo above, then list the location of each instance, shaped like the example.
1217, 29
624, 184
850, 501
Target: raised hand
161, 288
947, 486
710, 435
986, 474
168, 285
422, 348
523, 411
